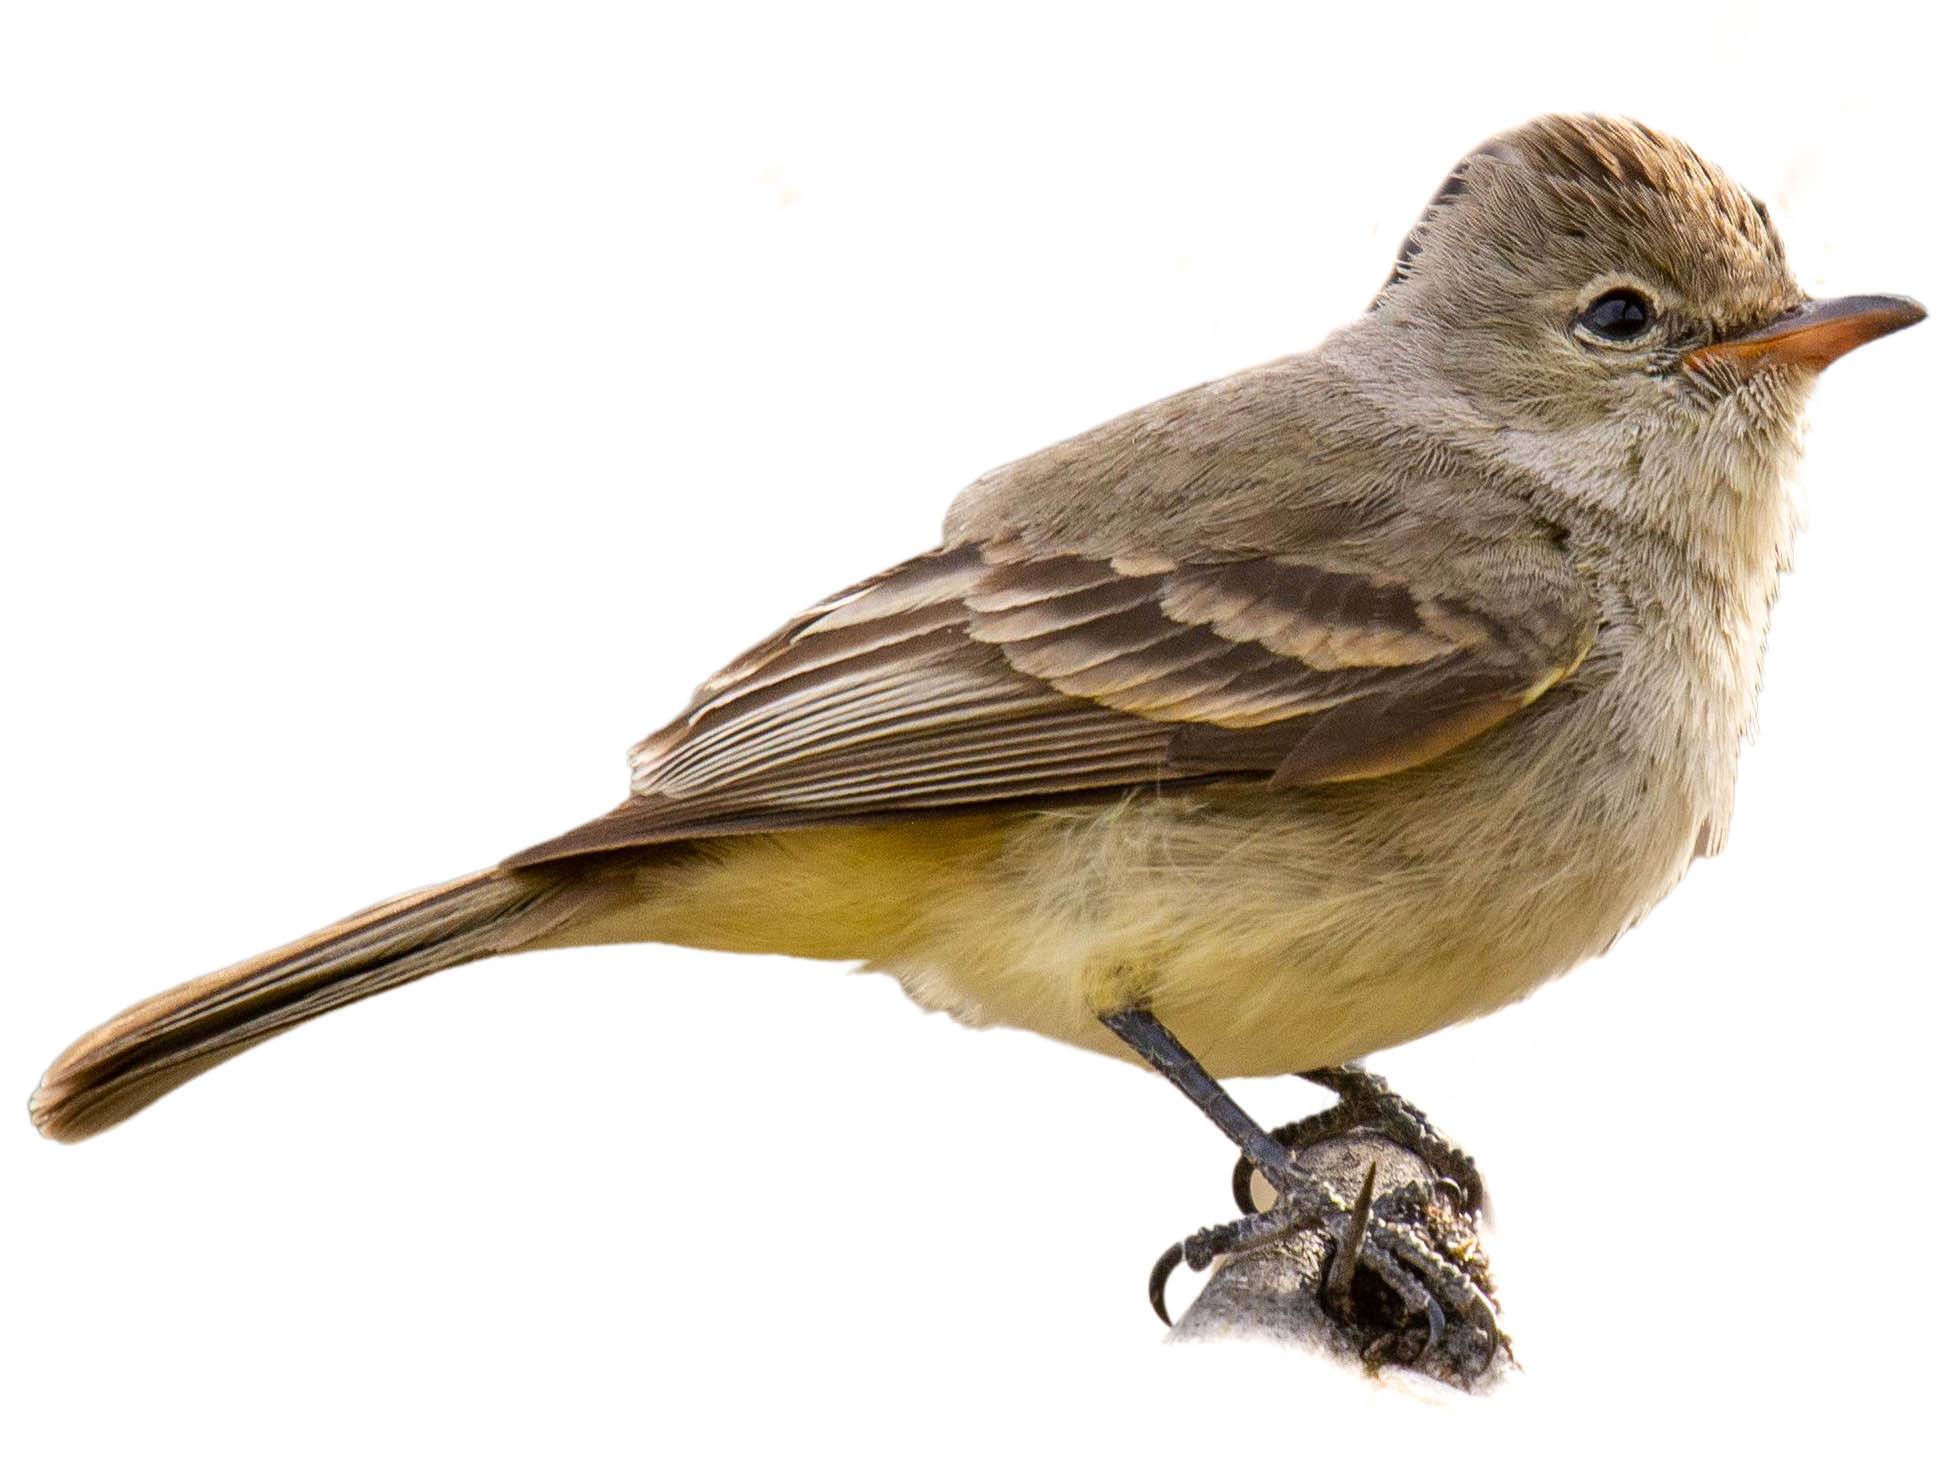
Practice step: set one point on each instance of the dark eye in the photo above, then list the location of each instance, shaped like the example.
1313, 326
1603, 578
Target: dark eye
1617, 316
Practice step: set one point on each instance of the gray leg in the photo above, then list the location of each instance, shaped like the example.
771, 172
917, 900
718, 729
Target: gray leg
1367, 1101
1147, 1037
1428, 1285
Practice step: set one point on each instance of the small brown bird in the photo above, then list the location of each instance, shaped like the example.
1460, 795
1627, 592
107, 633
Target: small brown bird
1283, 720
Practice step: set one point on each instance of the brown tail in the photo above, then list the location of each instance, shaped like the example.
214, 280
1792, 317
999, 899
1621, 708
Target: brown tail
120, 1067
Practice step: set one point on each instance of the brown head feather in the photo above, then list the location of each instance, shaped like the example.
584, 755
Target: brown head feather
1555, 184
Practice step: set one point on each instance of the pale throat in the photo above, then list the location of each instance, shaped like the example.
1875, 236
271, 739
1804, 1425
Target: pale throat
1700, 526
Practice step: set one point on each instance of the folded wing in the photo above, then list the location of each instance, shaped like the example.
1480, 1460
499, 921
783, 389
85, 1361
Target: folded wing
983, 674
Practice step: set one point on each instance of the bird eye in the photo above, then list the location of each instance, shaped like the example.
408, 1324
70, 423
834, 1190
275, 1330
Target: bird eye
1617, 316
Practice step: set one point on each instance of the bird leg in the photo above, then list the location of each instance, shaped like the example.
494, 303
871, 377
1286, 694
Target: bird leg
1378, 1235
1367, 1103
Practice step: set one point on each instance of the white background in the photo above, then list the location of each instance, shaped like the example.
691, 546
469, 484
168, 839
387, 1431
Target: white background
403, 406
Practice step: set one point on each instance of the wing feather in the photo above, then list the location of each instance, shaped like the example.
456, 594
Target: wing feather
982, 674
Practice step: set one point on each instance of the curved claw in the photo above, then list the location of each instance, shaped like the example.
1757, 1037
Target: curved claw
1437, 1327
1292, 1136
1241, 1176
1159, 1281
1485, 1308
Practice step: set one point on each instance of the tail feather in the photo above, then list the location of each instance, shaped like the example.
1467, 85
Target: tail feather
120, 1067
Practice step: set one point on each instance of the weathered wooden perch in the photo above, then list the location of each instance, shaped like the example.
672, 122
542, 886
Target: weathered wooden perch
1275, 1292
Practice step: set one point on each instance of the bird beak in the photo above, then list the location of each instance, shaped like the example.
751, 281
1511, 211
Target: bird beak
1812, 335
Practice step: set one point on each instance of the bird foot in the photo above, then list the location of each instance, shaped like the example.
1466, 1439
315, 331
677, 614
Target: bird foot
1367, 1103
1404, 1271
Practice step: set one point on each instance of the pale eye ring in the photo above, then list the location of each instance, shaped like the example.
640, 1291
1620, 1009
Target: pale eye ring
1618, 317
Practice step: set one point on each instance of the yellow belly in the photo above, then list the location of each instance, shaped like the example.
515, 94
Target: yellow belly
1269, 937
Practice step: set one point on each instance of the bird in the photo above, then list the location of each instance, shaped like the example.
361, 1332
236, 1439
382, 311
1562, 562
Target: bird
1281, 721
